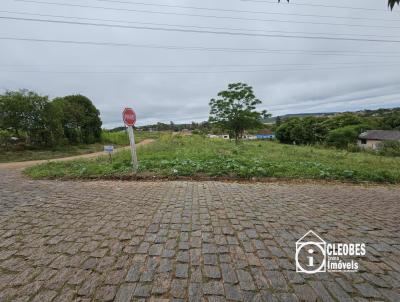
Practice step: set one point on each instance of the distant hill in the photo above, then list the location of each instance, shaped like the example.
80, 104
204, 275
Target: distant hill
286, 116
376, 113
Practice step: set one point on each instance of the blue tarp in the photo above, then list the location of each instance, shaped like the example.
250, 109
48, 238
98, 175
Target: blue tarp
265, 136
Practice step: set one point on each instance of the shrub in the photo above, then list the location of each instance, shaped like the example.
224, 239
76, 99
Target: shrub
345, 136
389, 148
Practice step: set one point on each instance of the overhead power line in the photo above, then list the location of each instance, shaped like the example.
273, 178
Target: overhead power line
192, 26
197, 71
392, 54
320, 5
201, 65
201, 31
205, 16
244, 11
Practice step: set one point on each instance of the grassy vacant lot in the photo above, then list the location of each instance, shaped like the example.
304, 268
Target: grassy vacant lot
197, 156
111, 138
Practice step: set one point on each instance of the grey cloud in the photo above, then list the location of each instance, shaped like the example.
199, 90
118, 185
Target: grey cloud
184, 97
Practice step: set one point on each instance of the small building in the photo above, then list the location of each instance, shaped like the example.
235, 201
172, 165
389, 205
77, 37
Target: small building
220, 136
372, 138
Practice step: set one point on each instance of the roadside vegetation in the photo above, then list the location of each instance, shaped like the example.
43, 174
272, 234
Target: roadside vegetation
196, 156
32, 120
117, 139
340, 131
33, 127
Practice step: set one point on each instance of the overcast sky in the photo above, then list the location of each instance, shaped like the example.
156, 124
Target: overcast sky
168, 75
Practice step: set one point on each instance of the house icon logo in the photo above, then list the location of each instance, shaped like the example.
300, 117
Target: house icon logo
310, 254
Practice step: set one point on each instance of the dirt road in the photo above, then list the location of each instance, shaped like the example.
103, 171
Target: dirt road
24, 164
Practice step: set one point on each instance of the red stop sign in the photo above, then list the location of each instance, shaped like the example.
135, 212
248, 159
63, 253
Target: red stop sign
129, 117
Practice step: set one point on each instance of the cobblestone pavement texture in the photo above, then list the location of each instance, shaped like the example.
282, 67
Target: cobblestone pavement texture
190, 241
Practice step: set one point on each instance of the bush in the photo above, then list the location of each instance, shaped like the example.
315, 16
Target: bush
345, 136
309, 130
389, 148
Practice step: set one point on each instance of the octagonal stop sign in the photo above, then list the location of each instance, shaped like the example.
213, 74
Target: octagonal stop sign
129, 117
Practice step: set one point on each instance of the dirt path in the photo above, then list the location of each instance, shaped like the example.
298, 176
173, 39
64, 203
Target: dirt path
25, 164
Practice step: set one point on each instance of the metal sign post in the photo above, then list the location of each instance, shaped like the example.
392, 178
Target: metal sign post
129, 117
133, 148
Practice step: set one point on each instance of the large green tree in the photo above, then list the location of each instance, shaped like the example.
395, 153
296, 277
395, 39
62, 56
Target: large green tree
81, 119
15, 110
26, 113
309, 130
235, 110
391, 121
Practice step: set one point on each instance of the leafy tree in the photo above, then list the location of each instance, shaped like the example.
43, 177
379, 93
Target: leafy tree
49, 123
235, 110
47, 129
309, 130
26, 112
283, 132
80, 119
44, 126
15, 108
391, 121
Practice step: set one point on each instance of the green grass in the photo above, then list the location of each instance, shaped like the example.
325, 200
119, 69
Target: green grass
122, 139
115, 138
197, 156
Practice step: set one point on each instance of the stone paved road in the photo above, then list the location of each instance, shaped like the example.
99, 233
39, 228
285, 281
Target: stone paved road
190, 241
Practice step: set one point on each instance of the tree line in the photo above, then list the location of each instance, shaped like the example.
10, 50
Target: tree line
341, 130
38, 121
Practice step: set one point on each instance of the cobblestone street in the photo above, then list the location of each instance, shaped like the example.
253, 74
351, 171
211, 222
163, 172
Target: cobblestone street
190, 241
